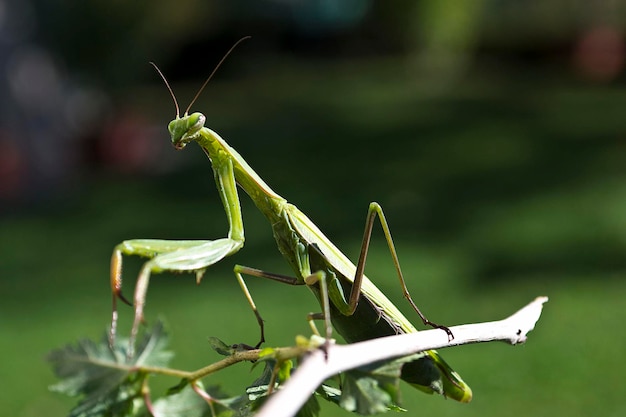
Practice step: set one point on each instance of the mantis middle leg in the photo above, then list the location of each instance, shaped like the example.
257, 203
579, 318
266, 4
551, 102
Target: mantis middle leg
317, 277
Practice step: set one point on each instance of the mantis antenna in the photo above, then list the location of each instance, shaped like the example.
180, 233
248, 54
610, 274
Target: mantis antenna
168, 87
214, 70
203, 85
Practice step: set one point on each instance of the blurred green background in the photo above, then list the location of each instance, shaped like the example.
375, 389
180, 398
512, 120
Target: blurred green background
492, 132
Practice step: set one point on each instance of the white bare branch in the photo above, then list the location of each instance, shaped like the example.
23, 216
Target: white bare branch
315, 368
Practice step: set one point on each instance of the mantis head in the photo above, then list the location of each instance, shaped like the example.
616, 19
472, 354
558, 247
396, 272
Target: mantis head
185, 129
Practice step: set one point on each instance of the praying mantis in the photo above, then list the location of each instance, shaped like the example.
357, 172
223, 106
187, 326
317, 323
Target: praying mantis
357, 309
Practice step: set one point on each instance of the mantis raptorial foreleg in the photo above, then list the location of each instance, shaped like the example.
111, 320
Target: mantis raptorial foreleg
177, 255
173, 256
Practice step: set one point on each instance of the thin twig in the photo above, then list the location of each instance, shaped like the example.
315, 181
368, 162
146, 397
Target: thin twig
315, 368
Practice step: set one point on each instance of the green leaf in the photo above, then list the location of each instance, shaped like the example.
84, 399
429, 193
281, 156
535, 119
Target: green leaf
104, 377
220, 347
151, 351
259, 387
178, 387
373, 388
329, 393
284, 372
256, 393
362, 394
241, 406
187, 403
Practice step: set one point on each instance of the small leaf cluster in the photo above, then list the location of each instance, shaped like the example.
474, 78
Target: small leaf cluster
107, 382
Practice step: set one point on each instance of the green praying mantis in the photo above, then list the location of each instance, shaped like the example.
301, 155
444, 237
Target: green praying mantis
357, 309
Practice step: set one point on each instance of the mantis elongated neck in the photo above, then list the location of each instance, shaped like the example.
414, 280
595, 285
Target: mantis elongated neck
220, 153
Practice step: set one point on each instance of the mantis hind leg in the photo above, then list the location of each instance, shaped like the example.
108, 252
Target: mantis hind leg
376, 210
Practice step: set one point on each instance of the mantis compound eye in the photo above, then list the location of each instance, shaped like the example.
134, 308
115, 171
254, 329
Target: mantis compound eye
183, 130
196, 122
